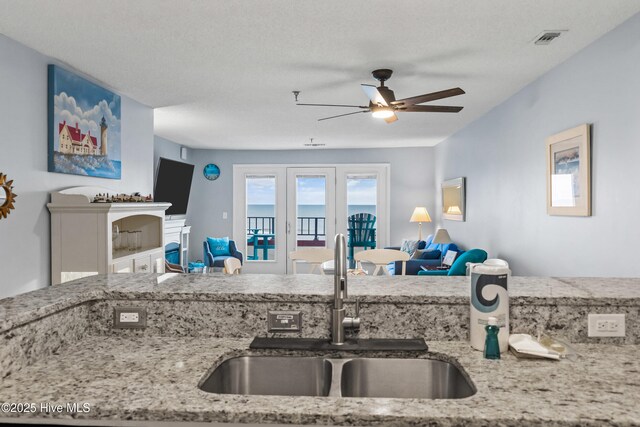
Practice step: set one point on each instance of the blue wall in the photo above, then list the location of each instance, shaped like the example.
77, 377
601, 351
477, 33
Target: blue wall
411, 171
25, 250
502, 155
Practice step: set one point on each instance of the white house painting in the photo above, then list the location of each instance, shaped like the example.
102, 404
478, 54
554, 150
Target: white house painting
84, 127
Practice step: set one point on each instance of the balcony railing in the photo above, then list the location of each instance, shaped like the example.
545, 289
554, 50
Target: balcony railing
263, 224
310, 228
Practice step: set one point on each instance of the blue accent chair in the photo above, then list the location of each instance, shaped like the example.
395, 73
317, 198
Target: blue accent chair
413, 265
218, 261
459, 267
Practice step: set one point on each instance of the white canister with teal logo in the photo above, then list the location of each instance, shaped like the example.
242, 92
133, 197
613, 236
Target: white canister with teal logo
489, 298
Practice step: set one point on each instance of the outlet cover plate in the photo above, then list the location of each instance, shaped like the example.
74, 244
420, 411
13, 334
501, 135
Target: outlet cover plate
284, 321
606, 325
129, 317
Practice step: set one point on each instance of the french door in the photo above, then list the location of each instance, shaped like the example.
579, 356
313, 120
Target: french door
311, 209
280, 208
259, 218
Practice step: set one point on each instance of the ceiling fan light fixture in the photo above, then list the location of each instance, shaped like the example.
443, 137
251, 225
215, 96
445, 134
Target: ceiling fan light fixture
382, 113
384, 105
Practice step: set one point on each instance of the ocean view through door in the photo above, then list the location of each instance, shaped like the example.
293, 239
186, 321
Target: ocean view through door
311, 211
279, 209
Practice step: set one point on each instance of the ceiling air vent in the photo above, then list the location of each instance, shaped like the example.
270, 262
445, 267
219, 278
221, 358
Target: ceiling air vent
546, 37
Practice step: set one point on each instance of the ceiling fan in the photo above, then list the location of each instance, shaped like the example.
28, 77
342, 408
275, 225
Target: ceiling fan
383, 103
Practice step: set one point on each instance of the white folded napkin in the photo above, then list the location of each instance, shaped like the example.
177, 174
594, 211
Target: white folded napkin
525, 344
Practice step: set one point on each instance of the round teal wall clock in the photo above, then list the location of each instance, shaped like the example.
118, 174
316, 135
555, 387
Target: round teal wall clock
211, 172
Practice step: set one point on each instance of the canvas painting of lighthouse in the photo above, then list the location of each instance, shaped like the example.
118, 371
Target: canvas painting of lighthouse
84, 126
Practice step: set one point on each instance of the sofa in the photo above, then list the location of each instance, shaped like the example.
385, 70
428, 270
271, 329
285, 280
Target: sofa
218, 261
459, 266
434, 252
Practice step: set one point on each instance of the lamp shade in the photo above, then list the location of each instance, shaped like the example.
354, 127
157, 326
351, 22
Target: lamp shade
454, 210
442, 236
420, 214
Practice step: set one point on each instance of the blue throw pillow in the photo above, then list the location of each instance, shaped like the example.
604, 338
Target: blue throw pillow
431, 254
219, 246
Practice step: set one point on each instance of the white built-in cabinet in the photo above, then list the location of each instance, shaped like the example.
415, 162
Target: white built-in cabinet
82, 236
176, 231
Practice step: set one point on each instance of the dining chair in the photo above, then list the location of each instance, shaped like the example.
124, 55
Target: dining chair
312, 256
382, 257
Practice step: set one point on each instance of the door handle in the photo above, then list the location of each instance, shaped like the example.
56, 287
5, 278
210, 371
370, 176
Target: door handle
288, 227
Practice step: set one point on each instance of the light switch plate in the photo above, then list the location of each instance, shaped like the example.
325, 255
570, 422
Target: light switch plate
284, 321
606, 325
129, 317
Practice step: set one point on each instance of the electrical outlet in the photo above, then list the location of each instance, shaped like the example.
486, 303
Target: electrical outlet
129, 317
614, 325
224, 215
284, 321
606, 325
602, 325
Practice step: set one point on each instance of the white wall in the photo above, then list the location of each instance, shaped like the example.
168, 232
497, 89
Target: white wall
24, 235
411, 185
503, 157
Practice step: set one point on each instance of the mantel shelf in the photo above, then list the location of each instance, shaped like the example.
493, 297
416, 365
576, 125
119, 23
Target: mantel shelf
108, 207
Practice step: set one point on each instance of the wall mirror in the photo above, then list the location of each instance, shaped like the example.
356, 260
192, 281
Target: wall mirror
453, 199
7, 196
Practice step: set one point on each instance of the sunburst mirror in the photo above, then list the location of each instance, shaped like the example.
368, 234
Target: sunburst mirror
7, 196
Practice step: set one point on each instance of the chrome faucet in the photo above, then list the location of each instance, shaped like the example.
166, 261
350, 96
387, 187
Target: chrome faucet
339, 322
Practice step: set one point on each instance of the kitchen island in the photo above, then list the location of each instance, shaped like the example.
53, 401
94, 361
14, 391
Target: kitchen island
59, 346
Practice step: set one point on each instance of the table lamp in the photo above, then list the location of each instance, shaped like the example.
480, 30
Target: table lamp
441, 237
420, 215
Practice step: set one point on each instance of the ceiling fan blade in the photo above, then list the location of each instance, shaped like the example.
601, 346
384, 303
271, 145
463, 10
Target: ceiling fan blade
431, 109
373, 94
342, 115
334, 105
428, 97
391, 119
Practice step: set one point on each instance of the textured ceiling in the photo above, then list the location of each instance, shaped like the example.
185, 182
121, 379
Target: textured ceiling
220, 73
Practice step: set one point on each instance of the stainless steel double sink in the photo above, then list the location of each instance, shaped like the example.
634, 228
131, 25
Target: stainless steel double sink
349, 377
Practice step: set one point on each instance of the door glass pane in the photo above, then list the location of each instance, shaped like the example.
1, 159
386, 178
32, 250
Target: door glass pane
261, 215
311, 210
362, 201
362, 194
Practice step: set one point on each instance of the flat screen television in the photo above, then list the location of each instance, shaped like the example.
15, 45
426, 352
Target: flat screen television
173, 185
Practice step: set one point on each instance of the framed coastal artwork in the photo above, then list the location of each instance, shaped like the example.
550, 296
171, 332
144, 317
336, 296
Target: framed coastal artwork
84, 126
569, 172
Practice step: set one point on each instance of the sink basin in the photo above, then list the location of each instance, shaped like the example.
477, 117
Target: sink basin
351, 377
284, 376
403, 378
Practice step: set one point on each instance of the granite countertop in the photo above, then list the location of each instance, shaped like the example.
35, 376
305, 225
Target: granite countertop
156, 378
31, 306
